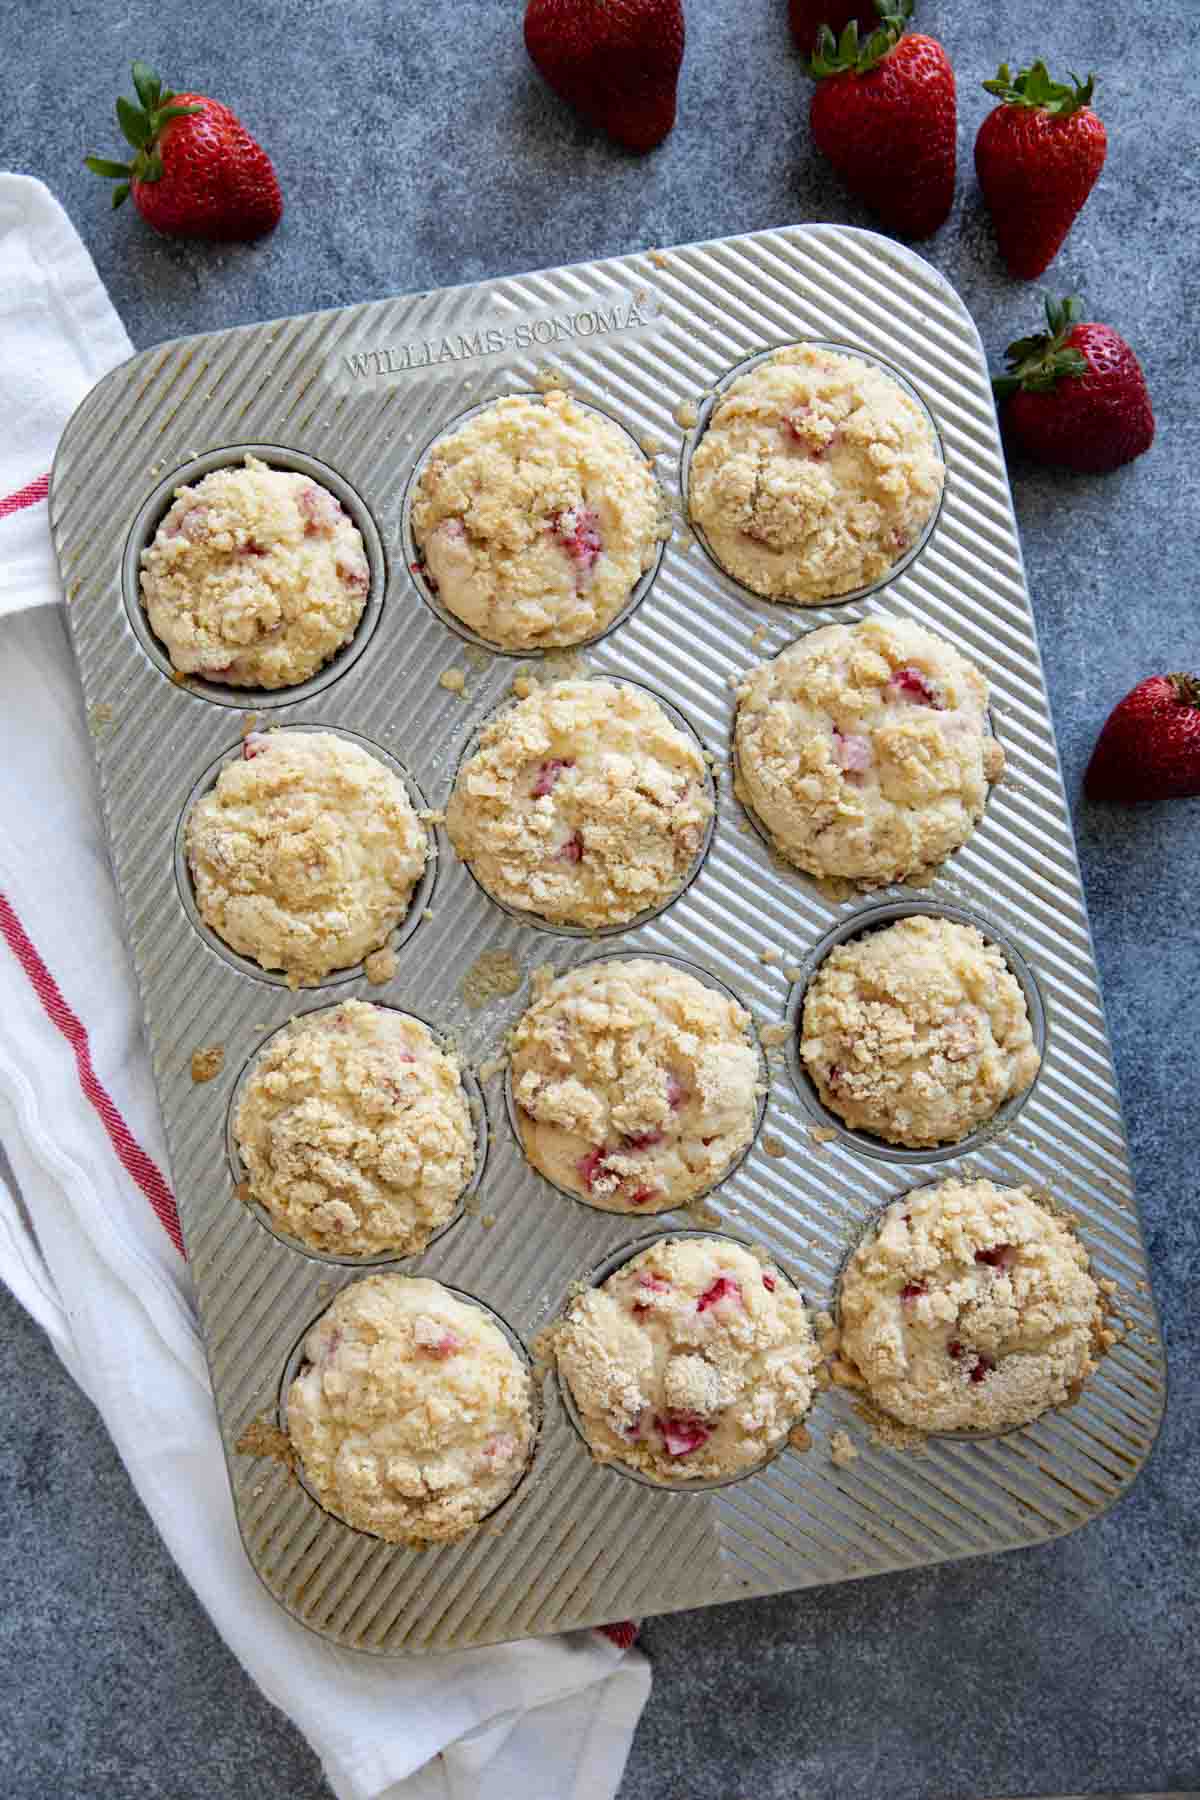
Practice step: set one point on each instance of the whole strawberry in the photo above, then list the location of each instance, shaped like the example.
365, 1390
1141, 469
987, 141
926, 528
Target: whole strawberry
1075, 396
1150, 746
807, 17
1037, 157
884, 113
196, 171
615, 61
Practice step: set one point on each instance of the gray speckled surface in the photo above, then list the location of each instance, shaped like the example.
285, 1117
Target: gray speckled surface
416, 148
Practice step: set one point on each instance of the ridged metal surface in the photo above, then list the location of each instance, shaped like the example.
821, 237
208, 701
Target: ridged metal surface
580, 1544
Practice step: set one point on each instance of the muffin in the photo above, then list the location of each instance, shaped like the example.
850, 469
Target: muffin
917, 1032
305, 853
256, 576
816, 474
865, 750
354, 1131
535, 521
636, 1086
583, 805
691, 1363
412, 1415
972, 1308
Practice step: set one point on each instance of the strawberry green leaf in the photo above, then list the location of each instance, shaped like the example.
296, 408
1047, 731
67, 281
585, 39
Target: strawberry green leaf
148, 85
135, 126
1033, 87
112, 171
1036, 364
847, 55
167, 113
120, 195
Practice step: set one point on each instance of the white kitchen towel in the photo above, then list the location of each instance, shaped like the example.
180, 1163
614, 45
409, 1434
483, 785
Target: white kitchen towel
88, 1236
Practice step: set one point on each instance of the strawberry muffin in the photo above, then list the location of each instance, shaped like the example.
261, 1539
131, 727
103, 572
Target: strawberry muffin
305, 854
865, 750
583, 805
972, 1308
412, 1414
816, 474
354, 1131
535, 521
255, 577
635, 1085
691, 1363
917, 1032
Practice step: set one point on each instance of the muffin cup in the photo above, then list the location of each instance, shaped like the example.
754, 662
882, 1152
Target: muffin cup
400, 932
595, 1277
535, 920
864, 1231
379, 1258
870, 919
704, 417
416, 563
743, 799
631, 954
296, 1361
150, 516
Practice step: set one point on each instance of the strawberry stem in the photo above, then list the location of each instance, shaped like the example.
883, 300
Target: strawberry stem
1187, 689
845, 55
1035, 364
1033, 88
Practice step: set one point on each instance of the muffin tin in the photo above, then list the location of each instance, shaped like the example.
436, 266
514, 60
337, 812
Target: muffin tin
360, 393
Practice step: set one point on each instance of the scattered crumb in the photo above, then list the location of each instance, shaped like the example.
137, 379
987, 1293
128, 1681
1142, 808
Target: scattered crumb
208, 1063
823, 1322
1106, 1338
477, 657
522, 687
842, 1450
427, 913
242, 1192
800, 1438
770, 1035
758, 636
179, 678
487, 1221
453, 680
493, 975
889, 1433
1107, 1286
493, 1066
432, 815
702, 1214
324, 1289
660, 259
548, 378
774, 1146
686, 414
768, 956
249, 723
822, 1134
793, 971
99, 715
380, 966
263, 1439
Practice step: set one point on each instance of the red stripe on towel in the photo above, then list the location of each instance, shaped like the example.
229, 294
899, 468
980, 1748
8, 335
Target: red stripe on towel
26, 496
142, 1168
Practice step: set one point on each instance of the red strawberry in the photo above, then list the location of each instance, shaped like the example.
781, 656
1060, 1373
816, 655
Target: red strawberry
1150, 746
808, 16
1075, 396
1037, 157
196, 171
615, 61
884, 114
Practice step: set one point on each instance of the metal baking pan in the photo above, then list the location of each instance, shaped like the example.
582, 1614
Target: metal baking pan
357, 395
